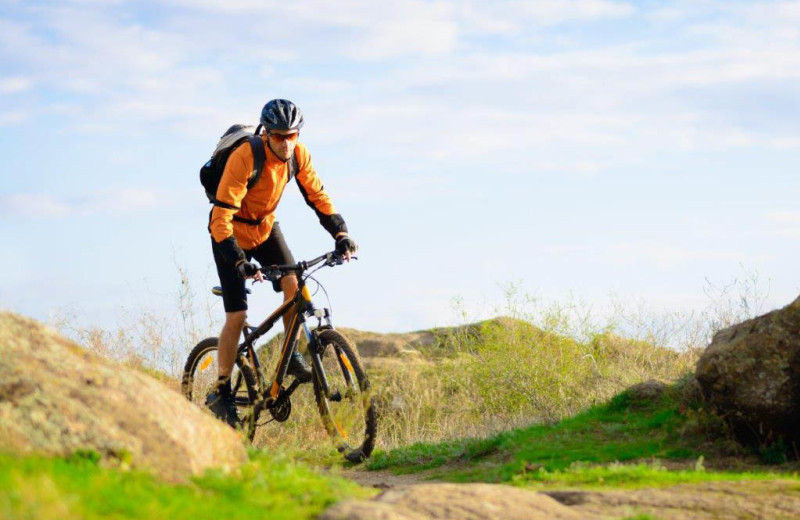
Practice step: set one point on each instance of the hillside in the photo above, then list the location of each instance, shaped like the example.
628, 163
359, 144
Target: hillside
649, 452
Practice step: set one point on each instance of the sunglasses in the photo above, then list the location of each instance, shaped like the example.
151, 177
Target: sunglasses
285, 137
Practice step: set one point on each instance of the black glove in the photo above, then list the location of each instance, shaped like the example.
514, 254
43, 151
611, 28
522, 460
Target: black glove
344, 243
246, 269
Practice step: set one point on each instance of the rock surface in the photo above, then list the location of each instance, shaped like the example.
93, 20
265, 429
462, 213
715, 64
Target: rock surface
454, 501
57, 398
777, 499
750, 373
746, 499
647, 392
374, 344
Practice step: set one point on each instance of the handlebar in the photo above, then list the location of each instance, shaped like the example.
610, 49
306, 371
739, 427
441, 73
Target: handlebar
275, 272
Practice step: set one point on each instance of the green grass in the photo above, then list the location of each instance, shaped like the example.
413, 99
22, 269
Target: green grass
617, 444
269, 486
618, 475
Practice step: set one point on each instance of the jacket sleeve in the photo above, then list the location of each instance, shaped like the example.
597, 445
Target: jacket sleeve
232, 189
314, 194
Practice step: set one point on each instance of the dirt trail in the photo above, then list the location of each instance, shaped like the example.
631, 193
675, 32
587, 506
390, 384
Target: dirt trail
385, 479
776, 499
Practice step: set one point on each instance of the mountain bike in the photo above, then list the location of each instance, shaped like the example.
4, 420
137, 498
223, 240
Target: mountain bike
341, 387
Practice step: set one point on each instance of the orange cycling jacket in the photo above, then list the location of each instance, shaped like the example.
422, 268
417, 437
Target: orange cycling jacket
259, 203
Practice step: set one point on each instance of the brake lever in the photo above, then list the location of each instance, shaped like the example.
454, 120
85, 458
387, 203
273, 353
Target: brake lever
271, 274
337, 259
340, 259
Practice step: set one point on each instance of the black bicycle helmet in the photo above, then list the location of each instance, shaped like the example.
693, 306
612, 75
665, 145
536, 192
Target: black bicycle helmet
281, 114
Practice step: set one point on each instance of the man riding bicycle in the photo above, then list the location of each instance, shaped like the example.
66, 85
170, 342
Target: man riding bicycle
243, 227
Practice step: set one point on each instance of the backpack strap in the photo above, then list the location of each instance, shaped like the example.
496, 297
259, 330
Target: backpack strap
294, 166
221, 204
250, 221
259, 157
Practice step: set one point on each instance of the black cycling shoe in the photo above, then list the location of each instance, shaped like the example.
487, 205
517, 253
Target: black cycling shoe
299, 368
221, 402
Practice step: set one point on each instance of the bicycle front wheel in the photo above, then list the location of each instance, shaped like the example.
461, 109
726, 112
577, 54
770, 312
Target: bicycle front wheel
200, 374
347, 408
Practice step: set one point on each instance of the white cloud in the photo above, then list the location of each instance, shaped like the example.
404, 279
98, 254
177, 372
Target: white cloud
13, 117
625, 96
15, 84
565, 250
790, 232
526, 17
558, 11
39, 205
43, 205
785, 217
787, 223
376, 189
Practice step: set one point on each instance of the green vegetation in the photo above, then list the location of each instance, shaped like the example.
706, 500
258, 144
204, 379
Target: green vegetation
542, 362
623, 443
557, 368
269, 486
509, 372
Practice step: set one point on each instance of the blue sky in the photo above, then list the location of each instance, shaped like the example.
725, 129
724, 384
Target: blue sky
585, 148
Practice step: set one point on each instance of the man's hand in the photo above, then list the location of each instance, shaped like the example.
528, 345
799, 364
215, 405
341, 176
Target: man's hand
249, 270
346, 245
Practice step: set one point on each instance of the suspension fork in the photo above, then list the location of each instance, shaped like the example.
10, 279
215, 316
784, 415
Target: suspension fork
314, 344
315, 347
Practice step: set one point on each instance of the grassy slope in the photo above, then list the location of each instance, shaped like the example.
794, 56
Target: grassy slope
267, 487
621, 443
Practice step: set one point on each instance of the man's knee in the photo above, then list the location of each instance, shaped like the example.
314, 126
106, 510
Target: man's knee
289, 286
235, 319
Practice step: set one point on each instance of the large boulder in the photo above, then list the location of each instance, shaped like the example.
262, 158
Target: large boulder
750, 373
57, 398
451, 501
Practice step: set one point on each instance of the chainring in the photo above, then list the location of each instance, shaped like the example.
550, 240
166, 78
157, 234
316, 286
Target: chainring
282, 408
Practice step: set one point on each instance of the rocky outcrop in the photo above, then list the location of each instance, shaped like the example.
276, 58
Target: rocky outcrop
57, 398
646, 392
750, 373
437, 340
451, 501
374, 344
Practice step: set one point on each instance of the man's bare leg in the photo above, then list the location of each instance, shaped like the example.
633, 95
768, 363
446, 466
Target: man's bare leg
220, 399
229, 341
289, 288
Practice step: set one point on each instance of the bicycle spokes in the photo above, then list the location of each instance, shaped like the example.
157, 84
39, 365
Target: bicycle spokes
345, 401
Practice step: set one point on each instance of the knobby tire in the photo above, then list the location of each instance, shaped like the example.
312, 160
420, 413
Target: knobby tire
246, 376
356, 404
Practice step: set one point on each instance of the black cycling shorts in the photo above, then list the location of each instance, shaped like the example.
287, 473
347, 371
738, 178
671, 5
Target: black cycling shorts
272, 251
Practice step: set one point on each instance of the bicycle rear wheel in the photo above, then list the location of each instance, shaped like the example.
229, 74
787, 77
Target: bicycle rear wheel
347, 410
200, 374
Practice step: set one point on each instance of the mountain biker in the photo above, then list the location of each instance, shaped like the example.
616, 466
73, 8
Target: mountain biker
243, 227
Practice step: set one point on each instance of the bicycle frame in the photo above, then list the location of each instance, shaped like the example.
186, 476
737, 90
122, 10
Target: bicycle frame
299, 307
352, 423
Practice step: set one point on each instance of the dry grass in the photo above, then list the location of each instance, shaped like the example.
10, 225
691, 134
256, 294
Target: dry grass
540, 363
